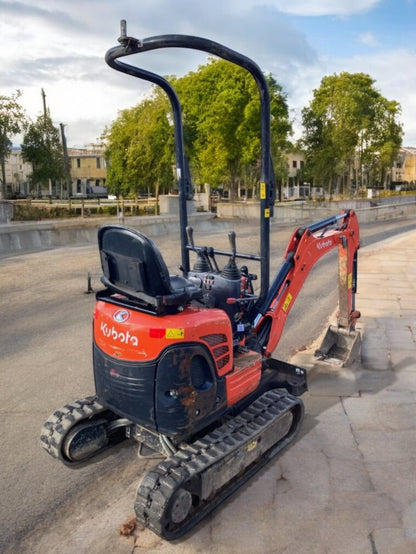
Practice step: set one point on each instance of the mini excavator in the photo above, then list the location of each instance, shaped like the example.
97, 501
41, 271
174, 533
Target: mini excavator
183, 363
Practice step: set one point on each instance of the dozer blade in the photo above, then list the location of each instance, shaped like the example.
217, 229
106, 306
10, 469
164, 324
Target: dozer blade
180, 491
340, 346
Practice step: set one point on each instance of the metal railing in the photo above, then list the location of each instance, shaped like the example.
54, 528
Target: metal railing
92, 206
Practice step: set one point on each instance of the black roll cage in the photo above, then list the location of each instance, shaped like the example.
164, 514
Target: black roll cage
130, 45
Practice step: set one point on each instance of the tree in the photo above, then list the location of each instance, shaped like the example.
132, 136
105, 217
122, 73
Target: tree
213, 101
221, 114
349, 128
139, 148
12, 121
221, 109
42, 148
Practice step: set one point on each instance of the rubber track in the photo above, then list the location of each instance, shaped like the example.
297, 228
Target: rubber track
159, 485
58, 425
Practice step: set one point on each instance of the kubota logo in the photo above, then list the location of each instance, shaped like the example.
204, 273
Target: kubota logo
119, 336
323, 244
121, 316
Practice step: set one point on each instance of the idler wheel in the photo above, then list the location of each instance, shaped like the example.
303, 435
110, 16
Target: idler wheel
85, 440
181, 504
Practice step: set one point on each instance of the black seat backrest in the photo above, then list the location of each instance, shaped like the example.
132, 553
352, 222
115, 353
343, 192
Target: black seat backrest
132, 263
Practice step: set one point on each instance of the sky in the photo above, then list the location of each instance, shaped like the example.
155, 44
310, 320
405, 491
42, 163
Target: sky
59, 46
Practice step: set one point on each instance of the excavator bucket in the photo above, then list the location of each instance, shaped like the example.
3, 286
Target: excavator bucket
342, 343
340, 346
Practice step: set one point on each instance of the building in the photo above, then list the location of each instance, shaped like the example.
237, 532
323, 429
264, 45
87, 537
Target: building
17, 174
403, 172
88, 171
296, 165
295, 187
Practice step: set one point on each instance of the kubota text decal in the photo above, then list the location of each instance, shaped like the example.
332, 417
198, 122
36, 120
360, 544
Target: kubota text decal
118, 336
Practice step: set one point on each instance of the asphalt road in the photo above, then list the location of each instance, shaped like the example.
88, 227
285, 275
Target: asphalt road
45, 346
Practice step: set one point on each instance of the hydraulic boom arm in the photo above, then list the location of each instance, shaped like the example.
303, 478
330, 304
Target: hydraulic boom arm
306, 246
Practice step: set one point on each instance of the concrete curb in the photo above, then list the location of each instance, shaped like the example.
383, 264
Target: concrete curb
17, 238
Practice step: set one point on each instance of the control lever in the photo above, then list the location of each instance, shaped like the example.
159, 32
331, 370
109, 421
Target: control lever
202, 263
211, 254
231, 238
190, 235
231, 270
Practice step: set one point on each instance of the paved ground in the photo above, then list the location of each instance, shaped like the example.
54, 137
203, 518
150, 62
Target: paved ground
348, 484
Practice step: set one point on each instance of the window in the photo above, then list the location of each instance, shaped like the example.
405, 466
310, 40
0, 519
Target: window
294, 164
98, 163
78, 162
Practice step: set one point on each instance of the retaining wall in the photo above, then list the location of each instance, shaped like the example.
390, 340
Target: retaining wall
307, 213
23, 237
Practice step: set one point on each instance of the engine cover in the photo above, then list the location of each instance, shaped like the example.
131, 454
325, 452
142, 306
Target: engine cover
166, 373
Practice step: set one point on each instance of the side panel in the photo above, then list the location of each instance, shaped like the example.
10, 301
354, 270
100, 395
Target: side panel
127, 388
131, 335
189, 395
163, 372
245, 378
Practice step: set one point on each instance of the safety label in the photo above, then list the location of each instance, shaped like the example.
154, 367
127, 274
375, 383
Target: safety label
287, 302
175, 333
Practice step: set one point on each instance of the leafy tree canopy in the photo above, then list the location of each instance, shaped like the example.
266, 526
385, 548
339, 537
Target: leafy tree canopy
139, 148
221, 113
349, 125
42, 148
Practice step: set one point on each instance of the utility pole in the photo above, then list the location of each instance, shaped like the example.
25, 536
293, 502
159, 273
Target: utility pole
3, 139
44, 105
66, 161
45, 115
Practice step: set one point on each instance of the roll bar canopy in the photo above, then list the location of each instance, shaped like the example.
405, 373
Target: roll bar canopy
130, 45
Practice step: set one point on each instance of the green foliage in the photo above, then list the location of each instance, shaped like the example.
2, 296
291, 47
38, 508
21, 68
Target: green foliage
214, 99
350, 128
12, 121
42, 148
221, 113
139, 149
27, 212
222, 120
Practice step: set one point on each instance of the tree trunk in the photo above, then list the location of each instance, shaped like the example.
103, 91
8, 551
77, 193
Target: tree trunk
3, 179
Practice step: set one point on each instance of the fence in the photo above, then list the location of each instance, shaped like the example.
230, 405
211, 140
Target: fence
83, 207
6, 211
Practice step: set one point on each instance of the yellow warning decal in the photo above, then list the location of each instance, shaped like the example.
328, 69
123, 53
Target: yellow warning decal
287, 302
251, 446
349, 284
267, 213
175, 333
262, 191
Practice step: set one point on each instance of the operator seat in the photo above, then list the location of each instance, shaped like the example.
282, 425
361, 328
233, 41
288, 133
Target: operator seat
133, 266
